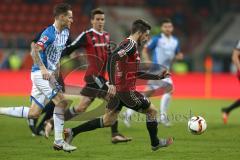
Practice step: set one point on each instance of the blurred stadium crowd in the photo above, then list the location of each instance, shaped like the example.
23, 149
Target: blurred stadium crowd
21, 19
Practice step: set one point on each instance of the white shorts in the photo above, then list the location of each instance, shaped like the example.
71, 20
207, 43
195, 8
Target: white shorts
42, 90
165, 83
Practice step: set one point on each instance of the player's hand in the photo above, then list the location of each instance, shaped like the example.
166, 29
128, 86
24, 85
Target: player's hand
45, 74
56, 74
55, 83
111, 90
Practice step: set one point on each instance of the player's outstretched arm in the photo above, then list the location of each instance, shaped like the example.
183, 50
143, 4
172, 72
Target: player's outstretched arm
80, 41
150, 76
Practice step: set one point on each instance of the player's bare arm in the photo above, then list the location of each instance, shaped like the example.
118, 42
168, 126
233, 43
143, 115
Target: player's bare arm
150, 76
57, 71
235, 58
37, 60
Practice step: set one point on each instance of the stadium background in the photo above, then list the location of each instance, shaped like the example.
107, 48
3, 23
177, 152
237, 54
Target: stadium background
204, 81
206, 29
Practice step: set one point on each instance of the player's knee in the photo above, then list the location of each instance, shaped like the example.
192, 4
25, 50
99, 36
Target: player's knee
33, 114
62, 103
151, 111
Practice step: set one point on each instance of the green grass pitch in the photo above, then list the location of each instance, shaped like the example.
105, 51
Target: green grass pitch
218, 142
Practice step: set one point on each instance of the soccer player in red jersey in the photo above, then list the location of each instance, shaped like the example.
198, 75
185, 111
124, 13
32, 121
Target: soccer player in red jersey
236, 61
123, 68
96, 42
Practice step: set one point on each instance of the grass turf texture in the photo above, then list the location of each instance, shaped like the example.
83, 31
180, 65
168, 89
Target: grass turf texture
218, 142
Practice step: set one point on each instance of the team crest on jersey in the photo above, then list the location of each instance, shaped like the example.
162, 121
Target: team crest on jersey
44, 39
93, 39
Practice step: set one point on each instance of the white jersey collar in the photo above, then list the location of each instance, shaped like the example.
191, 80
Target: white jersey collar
164, 36
94, 30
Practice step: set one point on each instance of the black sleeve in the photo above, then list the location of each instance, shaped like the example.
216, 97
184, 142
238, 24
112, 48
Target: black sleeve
125, 49
69, 40
38, 35
65, 52
80, 41
150, 76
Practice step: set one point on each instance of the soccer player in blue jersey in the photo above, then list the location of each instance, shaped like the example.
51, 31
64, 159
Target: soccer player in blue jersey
163, 48
46, 54
45, 124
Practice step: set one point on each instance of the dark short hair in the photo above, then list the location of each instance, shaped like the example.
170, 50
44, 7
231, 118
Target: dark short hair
96, 11
165, 20
61, 8
140, 25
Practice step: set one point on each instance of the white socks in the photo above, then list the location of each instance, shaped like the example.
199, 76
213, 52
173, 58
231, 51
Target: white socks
128, 114
164, 104
21, 112
58, 117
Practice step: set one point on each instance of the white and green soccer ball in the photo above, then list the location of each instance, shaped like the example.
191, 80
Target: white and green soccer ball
197, 125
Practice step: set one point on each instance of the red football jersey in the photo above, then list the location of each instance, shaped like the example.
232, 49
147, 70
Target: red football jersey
97, 49
126, 68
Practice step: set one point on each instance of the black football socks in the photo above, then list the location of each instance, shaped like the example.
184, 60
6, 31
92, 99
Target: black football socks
88, 126
232, 106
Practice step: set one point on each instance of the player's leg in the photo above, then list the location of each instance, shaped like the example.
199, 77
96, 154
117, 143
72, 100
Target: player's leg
152, 127
108, 119
128, 117
19, 111
51, 90
46, 124
167, 86
45, 121
226, 111
58, 117
72, 112
140, 103
148, 91
25, 112
32, 123
89, 93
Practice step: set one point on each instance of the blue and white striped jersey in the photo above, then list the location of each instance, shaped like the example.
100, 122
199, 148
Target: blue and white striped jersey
52, 43
163, 49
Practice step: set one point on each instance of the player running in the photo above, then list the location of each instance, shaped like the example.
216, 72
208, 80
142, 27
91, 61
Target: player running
96, 42
164, 49
123, 71
46, 55
236, 60
45, 124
